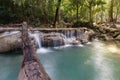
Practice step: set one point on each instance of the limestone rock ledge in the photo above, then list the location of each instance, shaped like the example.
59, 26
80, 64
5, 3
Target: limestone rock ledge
10, 41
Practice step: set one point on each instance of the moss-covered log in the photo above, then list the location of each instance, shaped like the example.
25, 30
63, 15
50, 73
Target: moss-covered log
31, 68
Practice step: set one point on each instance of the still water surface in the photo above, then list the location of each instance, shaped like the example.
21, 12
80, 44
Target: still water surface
91, 62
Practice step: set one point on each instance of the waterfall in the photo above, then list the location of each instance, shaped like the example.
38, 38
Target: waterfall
37, 38
70, 36
40, 50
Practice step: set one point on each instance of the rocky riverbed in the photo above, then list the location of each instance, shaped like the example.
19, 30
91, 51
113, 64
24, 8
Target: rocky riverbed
108, 32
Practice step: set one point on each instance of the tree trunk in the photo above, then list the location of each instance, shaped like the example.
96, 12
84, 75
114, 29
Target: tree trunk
45, 15
90, 14
50, 10
57, 13
77, 8
31, 68
116, 17
101, 13
111, 12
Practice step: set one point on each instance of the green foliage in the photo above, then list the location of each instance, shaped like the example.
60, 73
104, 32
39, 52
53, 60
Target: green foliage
82, 24
19, 2
43, 11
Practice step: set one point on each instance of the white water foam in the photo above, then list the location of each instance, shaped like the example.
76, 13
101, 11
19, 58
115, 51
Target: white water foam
44, 50
65, 46
6, 33
80, 45
89, 43
14, 32
9, 33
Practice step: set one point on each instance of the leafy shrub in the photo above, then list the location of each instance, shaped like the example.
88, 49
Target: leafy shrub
82, 24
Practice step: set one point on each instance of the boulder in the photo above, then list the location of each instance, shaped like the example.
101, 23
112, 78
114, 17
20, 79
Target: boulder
75, 42
10, 42
85, 35
118, 37
53, 40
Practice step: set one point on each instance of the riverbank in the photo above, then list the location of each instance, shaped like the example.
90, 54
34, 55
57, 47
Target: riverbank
108, 32
10, 37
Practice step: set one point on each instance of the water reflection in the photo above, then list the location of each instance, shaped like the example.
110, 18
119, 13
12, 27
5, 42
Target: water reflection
103, 68
113, 48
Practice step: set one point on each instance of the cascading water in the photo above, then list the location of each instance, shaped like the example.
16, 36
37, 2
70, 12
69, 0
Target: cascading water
37, 38
49, 39
69, 36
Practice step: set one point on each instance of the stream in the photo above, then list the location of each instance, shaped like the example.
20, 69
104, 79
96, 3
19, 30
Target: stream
95, 61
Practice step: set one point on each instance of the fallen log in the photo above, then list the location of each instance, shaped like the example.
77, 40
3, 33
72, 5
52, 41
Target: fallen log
31, 68
2, 29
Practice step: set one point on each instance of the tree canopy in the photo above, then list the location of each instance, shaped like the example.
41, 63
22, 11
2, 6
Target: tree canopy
44, 11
